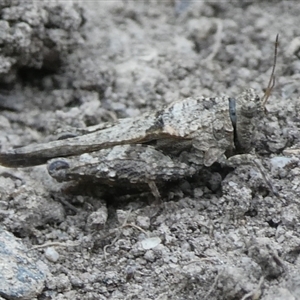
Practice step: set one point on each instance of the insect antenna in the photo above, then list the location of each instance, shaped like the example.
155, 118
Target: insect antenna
271, 83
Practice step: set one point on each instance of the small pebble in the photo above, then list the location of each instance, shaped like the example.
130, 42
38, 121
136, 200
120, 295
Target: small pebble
150, 243
51, 254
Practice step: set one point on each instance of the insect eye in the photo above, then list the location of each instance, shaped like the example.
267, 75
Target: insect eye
250, 109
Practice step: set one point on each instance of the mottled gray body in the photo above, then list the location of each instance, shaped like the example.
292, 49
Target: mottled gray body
169, 144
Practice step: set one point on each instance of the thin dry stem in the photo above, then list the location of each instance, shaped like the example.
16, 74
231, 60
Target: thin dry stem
271, 83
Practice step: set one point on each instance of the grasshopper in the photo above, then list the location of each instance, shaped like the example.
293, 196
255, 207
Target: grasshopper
159, 146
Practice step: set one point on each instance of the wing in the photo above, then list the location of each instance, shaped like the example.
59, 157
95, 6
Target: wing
186, 119
149, 126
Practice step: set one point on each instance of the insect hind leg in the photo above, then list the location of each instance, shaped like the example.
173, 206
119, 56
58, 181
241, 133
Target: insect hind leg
251, 159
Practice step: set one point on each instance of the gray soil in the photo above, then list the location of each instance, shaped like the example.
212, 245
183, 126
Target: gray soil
66, 65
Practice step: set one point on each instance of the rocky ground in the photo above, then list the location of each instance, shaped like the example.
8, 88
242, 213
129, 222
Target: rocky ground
65, 64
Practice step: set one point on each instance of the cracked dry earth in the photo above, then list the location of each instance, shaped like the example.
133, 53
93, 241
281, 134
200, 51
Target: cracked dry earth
77, 64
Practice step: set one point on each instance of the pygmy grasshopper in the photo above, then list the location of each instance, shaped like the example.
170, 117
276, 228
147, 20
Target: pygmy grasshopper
165, 145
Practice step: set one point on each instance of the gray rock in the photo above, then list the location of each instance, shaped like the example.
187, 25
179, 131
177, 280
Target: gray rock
21, 277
